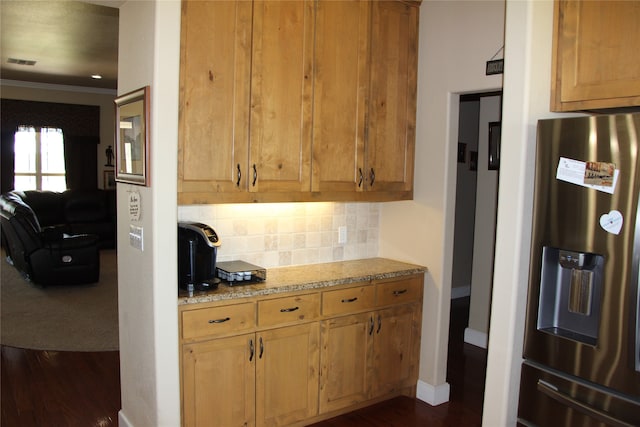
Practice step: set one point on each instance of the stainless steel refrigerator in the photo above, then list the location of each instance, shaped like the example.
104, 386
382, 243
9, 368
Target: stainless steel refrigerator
582, 344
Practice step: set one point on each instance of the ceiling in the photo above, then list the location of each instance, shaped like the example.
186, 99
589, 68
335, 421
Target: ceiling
68, 40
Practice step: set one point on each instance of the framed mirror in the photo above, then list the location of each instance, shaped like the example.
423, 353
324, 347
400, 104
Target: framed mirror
132, 137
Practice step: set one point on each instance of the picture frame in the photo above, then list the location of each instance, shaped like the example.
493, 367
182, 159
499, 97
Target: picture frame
495, 134
132, 137
109, 182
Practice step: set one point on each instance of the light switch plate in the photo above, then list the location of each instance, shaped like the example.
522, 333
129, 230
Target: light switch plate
136, 237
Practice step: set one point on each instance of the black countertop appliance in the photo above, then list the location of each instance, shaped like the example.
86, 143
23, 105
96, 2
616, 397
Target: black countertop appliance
197, 250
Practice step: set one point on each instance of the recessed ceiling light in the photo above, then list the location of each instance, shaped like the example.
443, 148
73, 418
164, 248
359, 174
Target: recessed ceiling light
96, 76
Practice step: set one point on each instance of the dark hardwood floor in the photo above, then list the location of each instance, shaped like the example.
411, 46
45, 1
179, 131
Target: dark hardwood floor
69, 389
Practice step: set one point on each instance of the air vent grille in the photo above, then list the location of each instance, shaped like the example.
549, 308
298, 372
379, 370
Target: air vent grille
16, 61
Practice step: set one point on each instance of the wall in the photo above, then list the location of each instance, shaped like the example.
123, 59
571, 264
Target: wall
282, 234
147, 291
11, 89
456, 40
527, 86
485, 226
465, 202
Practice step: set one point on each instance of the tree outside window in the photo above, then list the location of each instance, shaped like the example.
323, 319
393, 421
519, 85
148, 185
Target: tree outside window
39, 159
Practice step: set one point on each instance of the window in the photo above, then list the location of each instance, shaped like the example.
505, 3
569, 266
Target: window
39, 159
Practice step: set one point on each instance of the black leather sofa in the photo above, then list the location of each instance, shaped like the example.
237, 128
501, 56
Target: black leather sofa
75, 212
46, 256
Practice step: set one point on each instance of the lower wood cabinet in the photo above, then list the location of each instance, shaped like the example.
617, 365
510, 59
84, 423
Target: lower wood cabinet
218, 382
301, 357
368, 355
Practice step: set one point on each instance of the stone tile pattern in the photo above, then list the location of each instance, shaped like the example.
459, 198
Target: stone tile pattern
288, 234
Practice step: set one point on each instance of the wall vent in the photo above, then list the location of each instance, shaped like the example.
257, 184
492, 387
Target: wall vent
21, 61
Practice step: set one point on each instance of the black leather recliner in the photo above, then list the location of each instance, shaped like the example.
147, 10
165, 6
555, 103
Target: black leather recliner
46, 256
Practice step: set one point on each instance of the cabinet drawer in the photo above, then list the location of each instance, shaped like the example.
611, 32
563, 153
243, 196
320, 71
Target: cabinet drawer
348, 300
218, 320
289, 309
398, 292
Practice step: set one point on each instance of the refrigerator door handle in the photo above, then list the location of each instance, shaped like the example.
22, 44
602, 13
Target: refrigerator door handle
553, 392
635, 294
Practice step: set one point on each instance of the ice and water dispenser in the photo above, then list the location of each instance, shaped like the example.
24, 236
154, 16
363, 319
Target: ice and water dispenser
570, 294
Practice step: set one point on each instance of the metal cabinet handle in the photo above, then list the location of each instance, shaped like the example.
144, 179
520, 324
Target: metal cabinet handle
553, 392
255, 174
379, 324
396, 293
239, 176
350, 299
361, 177
373, 176
226, 319
251, 350
288, 310
261, 348
371, 325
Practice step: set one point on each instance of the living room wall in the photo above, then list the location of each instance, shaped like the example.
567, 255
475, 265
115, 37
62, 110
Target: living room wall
71, 95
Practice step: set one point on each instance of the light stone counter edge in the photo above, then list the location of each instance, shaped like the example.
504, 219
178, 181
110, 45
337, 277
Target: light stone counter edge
305, 277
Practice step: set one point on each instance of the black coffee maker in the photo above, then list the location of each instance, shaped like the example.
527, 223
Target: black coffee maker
197, 250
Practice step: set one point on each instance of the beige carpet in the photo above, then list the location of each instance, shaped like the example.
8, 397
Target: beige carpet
65, 318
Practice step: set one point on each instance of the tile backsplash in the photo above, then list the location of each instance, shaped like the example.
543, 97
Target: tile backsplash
283, 234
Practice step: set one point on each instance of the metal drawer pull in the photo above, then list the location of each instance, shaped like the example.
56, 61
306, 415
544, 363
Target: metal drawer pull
239, 176
288, 310
371, 325
396, 293
226, 319
255, 175
350, 299
261, 348
553, 392
361, 177
251, 350
379, 324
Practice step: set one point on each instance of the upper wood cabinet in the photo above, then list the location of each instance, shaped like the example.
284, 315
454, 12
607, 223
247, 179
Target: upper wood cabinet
391, 122
281, 96
297, 100
215, 71
595, 61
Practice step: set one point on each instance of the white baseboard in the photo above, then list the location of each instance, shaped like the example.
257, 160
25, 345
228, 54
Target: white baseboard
460, 292
433, 395
122, 420
477, 338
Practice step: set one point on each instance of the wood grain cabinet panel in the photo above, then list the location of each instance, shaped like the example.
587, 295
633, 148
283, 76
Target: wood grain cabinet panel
218, 382
341, 82
297, 100
287, 375
595, 55
281, 96
391, 122
215, 67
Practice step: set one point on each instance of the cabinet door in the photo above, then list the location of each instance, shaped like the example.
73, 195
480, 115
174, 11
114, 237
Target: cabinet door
215, 60
595, 59
346, 348
281, 96
395, 360
287, 374
340, 85
392, 104
218, 382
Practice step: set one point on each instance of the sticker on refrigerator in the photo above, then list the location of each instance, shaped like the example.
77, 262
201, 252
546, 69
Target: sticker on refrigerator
599, 176
611, 222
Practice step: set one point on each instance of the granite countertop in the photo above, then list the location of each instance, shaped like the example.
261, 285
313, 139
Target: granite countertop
303, 277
